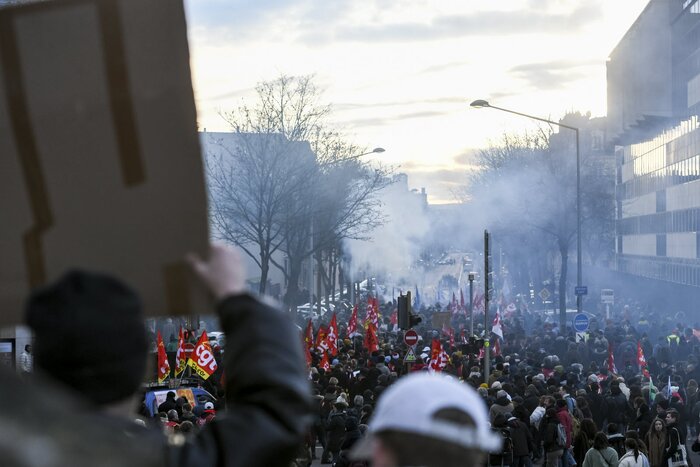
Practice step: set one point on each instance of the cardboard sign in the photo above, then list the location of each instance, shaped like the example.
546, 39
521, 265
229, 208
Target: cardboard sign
100, 164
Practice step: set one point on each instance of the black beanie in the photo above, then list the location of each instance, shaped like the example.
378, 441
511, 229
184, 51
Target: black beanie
89, 334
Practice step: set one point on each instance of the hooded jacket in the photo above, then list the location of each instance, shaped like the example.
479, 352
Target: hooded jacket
501, 406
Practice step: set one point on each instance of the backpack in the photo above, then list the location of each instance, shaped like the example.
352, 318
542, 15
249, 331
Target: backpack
561, 436
576, 424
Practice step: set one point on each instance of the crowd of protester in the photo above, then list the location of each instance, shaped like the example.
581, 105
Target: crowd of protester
625, 394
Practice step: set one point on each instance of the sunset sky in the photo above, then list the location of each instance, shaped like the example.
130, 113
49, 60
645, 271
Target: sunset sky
400, 74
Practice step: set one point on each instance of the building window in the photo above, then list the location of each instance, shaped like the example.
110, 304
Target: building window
661, 245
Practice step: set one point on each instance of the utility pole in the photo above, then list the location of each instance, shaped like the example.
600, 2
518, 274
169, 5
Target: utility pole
488, 284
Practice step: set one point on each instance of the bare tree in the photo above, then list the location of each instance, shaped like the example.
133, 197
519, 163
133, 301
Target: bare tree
251, 176
289, 178
526, 185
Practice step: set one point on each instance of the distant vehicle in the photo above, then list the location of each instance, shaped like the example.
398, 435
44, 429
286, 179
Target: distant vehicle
156, 394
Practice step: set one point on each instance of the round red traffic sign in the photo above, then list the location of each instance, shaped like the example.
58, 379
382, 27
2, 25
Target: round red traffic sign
189, 348
411, 337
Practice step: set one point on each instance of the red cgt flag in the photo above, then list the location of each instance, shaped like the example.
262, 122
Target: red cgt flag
205, 364
372, 316
332, 337
321, 339
180, 360
325, 364
352, 323
163, 363
439, 357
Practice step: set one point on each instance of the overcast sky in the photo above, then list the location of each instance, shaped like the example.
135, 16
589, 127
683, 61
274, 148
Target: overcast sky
400, 74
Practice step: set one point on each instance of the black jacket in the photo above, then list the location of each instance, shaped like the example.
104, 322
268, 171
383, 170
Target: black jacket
268, 402
268, 407
522, 438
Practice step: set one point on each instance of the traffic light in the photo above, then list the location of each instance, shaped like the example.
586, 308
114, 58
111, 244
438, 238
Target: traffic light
402, 305
406, 319
413, 320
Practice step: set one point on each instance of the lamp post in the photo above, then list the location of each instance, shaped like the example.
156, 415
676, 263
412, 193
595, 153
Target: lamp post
471, 304
579, 266
317, 278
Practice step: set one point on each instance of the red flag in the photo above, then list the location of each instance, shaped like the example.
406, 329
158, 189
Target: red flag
352, 324
439, 357
497, 329
332, 338
321, 339
372, 315
449, 332
478, 302
307, 354
180, 360
309, 336
641, 361
205, 364
163, 363
497, 348
611, 361
371, 342
325, 364
395, 317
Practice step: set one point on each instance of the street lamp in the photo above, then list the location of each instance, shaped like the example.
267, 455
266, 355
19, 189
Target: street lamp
318, 257
340, 161
480, 103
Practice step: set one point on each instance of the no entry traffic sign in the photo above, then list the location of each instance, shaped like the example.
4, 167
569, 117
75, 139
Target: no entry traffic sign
411, 337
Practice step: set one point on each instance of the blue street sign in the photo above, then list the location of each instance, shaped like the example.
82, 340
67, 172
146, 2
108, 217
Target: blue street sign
581, 323
582, 290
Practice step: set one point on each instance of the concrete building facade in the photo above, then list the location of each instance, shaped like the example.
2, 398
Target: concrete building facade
653, 107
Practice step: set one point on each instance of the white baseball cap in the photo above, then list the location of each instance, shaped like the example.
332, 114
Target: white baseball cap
410, 406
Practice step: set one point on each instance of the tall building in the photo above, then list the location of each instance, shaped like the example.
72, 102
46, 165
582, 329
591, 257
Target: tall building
653, 107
